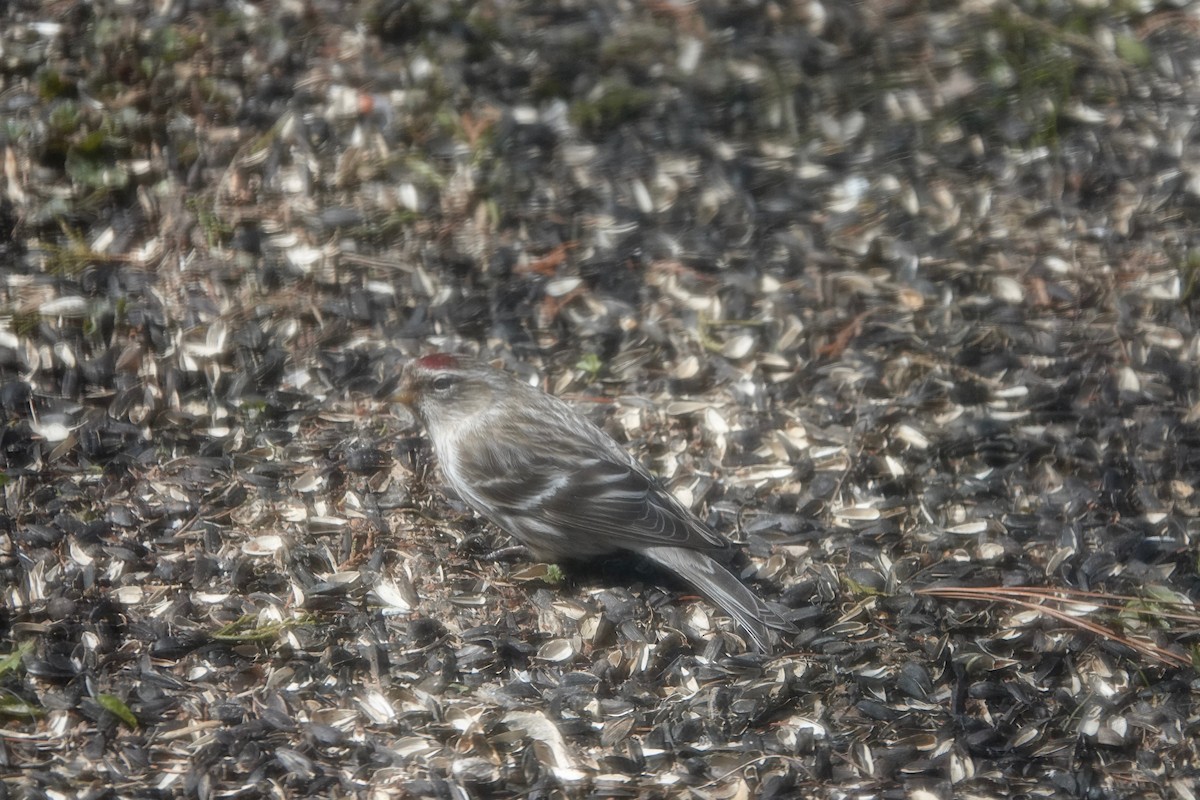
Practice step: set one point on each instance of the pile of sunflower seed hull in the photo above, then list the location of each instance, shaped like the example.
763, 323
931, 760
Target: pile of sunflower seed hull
901, 297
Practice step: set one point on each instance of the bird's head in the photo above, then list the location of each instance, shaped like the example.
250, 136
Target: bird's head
445, 389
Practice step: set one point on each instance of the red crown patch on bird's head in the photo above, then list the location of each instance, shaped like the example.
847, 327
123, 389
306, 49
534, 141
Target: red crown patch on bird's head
438, 361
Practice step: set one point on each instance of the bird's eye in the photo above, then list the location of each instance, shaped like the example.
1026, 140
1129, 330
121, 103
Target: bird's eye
442, 382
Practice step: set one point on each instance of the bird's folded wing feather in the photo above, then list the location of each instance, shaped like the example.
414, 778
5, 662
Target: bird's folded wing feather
582, 494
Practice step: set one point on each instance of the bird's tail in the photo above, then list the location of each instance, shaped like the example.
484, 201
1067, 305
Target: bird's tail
723, 588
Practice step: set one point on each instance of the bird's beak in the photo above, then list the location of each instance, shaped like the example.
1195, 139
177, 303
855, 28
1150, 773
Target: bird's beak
405, 393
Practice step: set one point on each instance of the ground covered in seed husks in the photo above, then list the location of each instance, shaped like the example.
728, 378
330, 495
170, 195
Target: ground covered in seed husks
900, 295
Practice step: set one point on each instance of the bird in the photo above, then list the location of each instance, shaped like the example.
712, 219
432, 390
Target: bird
532, 465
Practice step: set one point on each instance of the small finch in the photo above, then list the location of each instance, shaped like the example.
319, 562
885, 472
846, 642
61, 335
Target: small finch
550, 478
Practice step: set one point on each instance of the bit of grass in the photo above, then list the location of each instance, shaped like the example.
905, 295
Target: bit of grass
217, 229
705, 326
13, 706
613, 104
1189, 271
10, 662
591, 365
859, 590
116, 706
243, 629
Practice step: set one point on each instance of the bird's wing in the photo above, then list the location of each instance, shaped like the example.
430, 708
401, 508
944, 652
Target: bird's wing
600, 500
